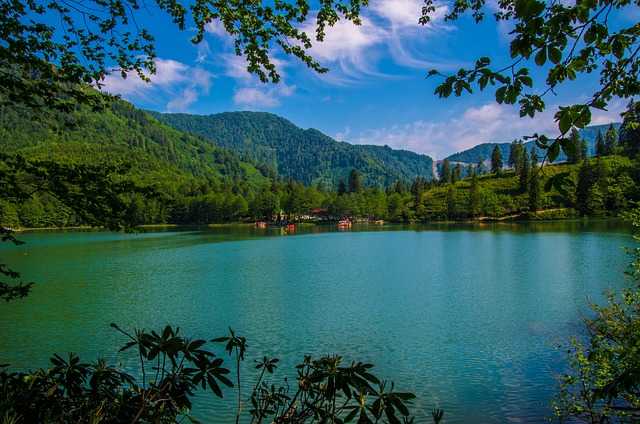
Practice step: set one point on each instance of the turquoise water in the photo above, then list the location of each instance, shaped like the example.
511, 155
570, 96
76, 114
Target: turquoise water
468, 317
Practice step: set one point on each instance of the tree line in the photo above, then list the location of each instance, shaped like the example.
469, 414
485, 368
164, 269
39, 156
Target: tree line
604, 185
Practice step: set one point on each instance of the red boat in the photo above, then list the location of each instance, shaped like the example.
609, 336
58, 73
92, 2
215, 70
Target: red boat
344, 223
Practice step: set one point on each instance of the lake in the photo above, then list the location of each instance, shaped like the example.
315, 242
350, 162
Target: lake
468, 317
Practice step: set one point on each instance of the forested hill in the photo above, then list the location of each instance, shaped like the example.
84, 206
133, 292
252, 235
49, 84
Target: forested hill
483, 151
307, 155
121, 133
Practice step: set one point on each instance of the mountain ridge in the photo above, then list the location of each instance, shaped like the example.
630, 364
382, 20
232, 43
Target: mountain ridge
307, 155
484, 150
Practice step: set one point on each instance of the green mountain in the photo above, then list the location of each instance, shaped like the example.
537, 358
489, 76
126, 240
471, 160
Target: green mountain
307, 155
121, 133
483, 151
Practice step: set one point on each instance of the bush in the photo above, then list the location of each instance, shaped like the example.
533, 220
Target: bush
173, 367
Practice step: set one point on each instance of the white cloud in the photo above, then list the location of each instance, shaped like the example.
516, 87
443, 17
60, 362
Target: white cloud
262, 96
487, 123
250, 96
251, 92
216, 28
349, 47
182, 102
351, 51
177, 84
406, 13
204, 51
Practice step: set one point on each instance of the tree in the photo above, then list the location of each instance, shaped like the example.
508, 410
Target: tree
445, 172
480, 168
342, 188
51, 51
525, 172
452, 207
457, 173
496, 161
568, 40
474, 196
471, 170
573, 148
534, 157
601, 148
355, 181
630, 130
516, 151
611, 141
584, 149
534, 192
601, 385
586, 181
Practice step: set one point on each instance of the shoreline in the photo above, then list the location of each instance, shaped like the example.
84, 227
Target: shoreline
479, 221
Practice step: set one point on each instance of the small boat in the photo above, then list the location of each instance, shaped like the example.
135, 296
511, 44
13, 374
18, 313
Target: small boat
291, 228
344, 223
261, 224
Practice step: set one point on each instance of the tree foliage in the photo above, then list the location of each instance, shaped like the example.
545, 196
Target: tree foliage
52, 50
496, 161
567, 40
308, 156
603, 384
172, 368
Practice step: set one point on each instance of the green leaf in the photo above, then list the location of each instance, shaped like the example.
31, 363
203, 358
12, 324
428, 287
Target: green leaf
564, 123
541, 57
500, 92
555, 55
554, 151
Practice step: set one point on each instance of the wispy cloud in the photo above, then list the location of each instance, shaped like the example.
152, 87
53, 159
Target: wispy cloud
388, 27
175, 84
262, 97
490, 122
252, 93
348, 49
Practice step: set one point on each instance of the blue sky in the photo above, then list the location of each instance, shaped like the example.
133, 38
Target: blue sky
375, 92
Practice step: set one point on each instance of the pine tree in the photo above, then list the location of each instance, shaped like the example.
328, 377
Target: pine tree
342, 188
474, 196
583, 187
534, 158
355, 181
512, 154
399, 187
525, 171
445, 173
574, 150
611, 140
451, 202
534, 192
516, 153
480, 168
601, 148
457, 173
584, 149
630, 131
470, 170
496, 161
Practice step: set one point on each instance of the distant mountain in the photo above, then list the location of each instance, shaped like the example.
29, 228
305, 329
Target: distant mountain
483, 151
307, 155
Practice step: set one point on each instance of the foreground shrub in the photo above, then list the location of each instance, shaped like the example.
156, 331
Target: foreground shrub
173, 367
